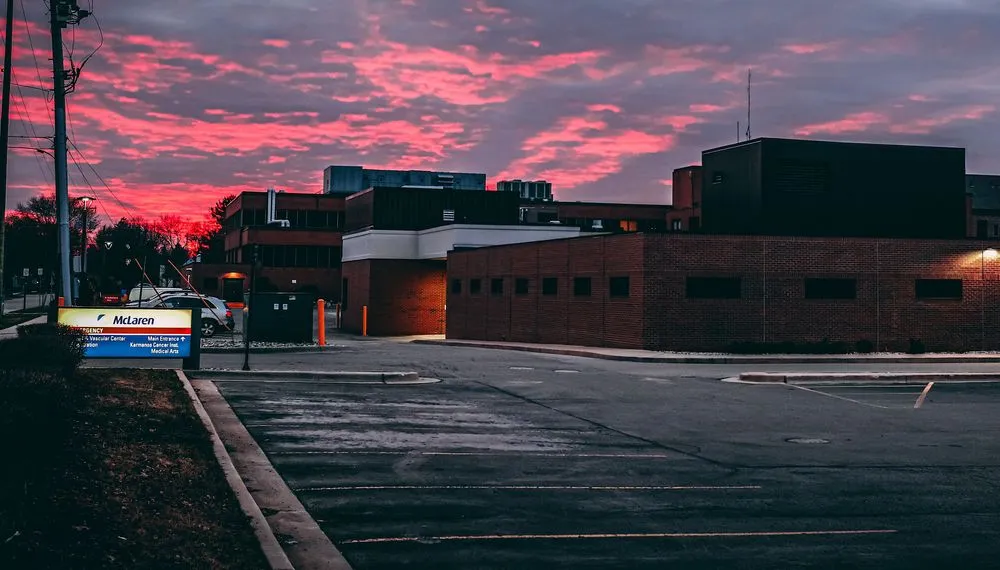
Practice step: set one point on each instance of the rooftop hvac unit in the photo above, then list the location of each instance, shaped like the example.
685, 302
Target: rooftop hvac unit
448, 215
598, 225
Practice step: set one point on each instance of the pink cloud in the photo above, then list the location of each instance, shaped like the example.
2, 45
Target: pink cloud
578, 150
810, 48
605, 107
853, 123
277, 43
925, 126
707, 108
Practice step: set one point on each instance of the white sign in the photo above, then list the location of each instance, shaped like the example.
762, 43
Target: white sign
40, 272
26, 272
131, 333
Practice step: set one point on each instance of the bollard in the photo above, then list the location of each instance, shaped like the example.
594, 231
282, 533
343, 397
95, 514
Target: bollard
340, 312
364, 320
62, 302
321, 310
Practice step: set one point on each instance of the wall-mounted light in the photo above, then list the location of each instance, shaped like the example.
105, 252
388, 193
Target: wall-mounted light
990, 253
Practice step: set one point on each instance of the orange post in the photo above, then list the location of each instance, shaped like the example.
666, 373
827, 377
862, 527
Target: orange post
62, 301
321, 308
364, 320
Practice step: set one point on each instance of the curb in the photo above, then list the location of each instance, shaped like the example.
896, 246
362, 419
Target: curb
733, 359
276, 557
317, 376
305, 543
866, 377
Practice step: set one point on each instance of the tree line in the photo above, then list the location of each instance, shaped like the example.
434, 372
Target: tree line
120, 254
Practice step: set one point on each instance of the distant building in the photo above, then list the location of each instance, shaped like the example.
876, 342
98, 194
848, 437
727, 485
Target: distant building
527, 189
685, 209
984, 194
789, 187
344, 180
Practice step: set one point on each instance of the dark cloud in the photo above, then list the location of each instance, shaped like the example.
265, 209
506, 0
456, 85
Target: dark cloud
188, 100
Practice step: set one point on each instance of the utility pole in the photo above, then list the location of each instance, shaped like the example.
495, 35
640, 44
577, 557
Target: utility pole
8, 67
59, 13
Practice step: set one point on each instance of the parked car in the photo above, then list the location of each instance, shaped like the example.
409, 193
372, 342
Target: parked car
215, 314
141, 296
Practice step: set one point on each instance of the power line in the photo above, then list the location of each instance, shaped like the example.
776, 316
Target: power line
101, 178
38, 70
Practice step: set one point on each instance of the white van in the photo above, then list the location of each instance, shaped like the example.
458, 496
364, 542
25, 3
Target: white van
141, 296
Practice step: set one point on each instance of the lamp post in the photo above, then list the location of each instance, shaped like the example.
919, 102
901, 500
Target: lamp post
86, 210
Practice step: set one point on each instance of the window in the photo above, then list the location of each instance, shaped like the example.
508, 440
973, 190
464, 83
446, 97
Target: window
939, 288
581, 286
713, 288
618, 287
475, 286
456, 286
831, 289
550, 286
496, 286
676, 225
210, 283
628, 225
521, 286
717, 177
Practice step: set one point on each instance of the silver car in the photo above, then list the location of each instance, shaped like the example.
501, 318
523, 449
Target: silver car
215, 314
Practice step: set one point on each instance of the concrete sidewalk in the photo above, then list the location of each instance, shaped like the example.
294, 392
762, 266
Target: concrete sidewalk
12, 331
651, 356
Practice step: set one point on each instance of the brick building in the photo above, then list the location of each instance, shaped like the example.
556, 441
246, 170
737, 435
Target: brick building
598, 216
708, 292
685, 207
303, 254
396, 247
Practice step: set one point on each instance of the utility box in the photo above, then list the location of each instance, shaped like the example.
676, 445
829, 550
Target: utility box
282, 317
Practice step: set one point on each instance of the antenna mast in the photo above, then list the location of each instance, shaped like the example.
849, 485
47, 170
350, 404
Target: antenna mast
749, 70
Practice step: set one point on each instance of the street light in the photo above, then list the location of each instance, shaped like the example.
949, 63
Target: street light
83, 258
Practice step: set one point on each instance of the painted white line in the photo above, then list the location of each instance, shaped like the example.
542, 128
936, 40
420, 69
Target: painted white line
521, 368
923, 396
757, 534
800, 387
532, 488
522, 382
566, 371
491, 454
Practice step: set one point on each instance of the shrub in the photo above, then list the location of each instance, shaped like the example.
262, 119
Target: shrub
864, 346
787, 347
916, 346
43, 348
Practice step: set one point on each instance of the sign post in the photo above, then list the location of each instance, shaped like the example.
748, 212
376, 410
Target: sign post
193, 361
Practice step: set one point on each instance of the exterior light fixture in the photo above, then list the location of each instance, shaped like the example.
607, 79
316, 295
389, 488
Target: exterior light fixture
990, 254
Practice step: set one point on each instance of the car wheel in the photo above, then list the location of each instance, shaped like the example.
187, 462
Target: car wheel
207, 328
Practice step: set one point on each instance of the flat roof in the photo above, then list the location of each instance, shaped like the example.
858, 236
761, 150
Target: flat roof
760, 140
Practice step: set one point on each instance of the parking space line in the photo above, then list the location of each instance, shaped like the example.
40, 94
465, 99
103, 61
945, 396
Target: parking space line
490, 454
751, 534
923, 396
800, 387
533, 488
521, 368
566, 371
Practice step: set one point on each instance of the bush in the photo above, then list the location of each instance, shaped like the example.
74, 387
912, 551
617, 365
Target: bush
787, 347
916, 346
43, 348
865, 346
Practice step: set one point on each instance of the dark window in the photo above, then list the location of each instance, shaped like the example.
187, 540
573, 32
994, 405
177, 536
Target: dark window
618, 287
343, 295
456, 286
550, 286
982, 227
475, 286
521, 286
939, 288
210, 283
581, 286
713, 288
675, 225
496, 286
831, 289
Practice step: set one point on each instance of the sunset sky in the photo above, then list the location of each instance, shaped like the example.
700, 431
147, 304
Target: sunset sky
187, 101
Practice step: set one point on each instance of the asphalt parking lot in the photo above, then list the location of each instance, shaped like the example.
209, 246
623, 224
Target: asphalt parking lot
517, 460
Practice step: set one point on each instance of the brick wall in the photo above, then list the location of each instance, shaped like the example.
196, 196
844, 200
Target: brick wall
772, 306
563, 318
404, 297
